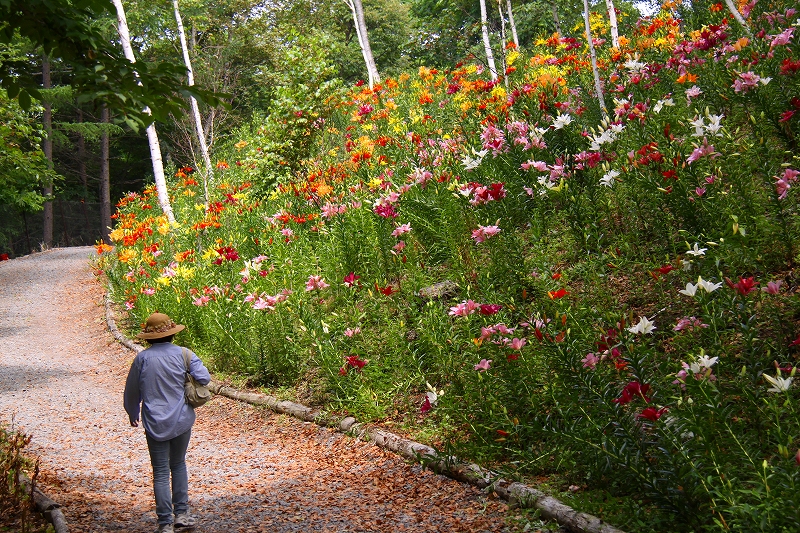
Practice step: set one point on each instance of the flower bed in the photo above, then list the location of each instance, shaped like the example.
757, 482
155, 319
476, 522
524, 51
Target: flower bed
622, 290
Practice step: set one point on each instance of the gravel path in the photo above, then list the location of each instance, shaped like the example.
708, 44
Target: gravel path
61, 381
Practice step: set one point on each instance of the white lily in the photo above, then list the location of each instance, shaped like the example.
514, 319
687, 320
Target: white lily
697, 251
703, 363
690, 290
634, 66
473, 163
644, 326
616, 128
561, 120
707, 285
779, 384
609, 177
715, 125
432, 394
245, 272
699, 126
706, 361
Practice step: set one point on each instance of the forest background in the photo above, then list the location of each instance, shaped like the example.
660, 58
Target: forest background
245, 50
562, 244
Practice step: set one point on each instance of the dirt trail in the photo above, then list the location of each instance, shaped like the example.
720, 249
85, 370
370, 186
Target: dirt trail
61, 381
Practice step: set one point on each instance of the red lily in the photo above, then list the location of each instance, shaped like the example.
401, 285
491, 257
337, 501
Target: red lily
555, 295
490, 309
744, 286
426, 406
386, 291
633, 390
350, 279
651, 413
355, 362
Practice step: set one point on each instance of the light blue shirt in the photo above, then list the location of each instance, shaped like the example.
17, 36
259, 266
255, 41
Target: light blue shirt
155, 381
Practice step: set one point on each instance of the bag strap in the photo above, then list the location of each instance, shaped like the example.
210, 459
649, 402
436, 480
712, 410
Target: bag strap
186, 359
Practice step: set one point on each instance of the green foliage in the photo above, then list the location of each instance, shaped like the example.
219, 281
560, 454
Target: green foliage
272, 148
23, 166
73, 32
16, 509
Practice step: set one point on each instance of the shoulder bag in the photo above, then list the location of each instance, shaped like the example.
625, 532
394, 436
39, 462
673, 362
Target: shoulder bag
196, 394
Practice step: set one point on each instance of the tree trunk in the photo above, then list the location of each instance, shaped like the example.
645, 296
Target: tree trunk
502, 37
738, 16
612, 21
105, 180
556, 20
82, 172
64, 229
27, 232
512, 23
47, 148
357, 9
208, 174
152, 136
487, 45
593, 55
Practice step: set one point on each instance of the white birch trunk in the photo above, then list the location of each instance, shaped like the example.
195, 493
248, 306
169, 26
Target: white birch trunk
612, 21
357, 9
502, 24
738, 16
512, 23
556, 20
593, 55
503, 38
208, 175
152, 136
487, 45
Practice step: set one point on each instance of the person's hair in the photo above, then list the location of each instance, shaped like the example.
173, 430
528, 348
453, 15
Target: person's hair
168, 338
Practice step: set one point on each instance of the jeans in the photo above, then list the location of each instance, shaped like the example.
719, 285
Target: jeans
169, 457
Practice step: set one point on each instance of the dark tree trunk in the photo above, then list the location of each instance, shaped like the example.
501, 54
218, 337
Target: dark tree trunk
27, 232
105, 180
64, 229
84, 175
47, 148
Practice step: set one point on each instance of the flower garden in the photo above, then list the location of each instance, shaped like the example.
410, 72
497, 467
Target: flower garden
504, 269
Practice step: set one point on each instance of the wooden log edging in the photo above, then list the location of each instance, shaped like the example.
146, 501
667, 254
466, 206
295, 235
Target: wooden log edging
515, 493
44, 505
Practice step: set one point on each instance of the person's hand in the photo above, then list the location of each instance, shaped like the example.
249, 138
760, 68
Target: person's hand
135, 423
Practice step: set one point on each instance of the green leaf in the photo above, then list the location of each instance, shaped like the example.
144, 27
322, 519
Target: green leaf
25, 100
132, 124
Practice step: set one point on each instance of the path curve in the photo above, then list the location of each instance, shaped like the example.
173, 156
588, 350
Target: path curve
61, 381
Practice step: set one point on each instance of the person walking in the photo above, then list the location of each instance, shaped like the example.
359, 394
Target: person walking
156, 382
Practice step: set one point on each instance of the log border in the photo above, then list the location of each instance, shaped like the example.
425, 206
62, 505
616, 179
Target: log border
43, 504
515, 493
48, 508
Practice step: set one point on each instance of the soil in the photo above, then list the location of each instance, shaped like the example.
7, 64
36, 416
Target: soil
61, 381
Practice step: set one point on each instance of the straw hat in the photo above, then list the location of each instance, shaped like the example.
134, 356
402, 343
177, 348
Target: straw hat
159, 325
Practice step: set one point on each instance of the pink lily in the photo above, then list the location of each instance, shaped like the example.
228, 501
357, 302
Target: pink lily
484, 365
316, 283
517, 344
